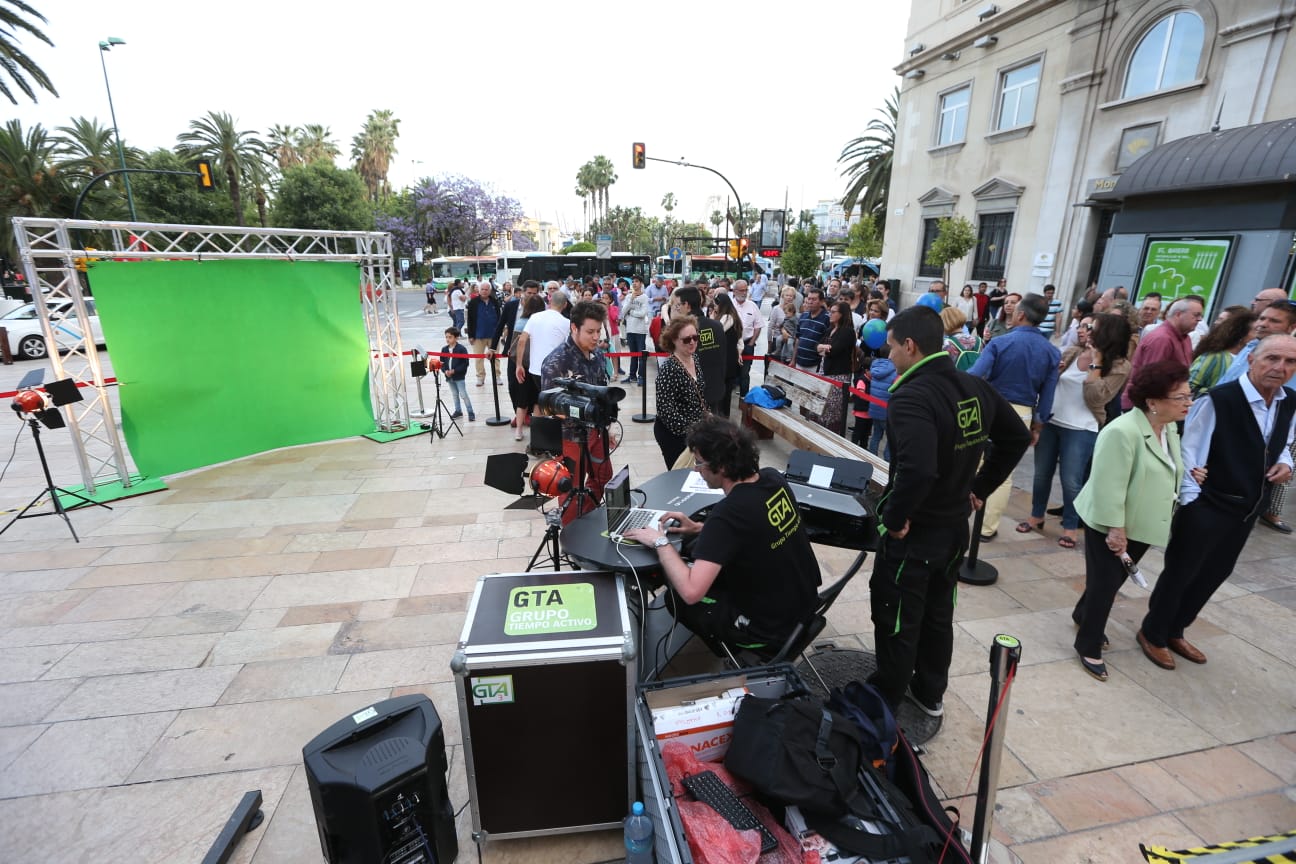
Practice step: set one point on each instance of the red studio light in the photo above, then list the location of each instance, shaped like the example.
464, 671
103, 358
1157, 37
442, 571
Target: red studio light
434, 364
30, 401
551, 478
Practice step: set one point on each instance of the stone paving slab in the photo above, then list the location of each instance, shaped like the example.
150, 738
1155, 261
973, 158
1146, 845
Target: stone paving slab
197, 638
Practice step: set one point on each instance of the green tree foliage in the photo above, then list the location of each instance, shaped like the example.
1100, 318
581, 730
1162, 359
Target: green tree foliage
174, 199
15, 65
868, 161
583, 246
631, 231
955, 238
745, 221
322, 196
30, 182
800, 257
863, 239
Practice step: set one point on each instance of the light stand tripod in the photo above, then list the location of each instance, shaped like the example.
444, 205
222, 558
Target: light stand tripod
555, 518
442, 420
50, 489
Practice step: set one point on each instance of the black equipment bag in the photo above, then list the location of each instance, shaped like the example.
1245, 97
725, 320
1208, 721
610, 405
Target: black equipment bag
800, 752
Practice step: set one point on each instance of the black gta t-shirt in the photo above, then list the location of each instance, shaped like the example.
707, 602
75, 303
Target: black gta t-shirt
767, 566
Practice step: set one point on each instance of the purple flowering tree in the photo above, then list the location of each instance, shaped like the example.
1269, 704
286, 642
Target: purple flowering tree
459, 214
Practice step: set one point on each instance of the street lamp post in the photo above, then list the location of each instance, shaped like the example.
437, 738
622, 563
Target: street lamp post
104, 47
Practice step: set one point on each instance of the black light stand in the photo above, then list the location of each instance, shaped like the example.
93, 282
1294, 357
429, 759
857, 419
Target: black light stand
497, 420
442, 420
36, 408
554, 518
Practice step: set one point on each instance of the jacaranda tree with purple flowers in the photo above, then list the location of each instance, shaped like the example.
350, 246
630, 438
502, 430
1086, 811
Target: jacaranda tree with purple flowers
451, 215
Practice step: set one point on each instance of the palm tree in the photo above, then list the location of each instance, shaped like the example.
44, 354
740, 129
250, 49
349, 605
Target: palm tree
586, 189
583, 194
668, 204
87, 149
868, 158
13, 61
716, 218
284, 145
604, 175
373, 150
30, 182
236, 153
315, 144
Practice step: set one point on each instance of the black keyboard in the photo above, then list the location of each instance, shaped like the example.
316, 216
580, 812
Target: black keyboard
708, 788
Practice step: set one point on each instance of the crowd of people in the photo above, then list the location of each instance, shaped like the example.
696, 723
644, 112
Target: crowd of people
1154, 419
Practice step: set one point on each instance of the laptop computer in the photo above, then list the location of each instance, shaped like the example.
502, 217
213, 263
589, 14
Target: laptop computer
621, 516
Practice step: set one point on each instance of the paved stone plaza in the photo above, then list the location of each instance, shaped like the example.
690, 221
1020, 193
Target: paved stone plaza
196, 638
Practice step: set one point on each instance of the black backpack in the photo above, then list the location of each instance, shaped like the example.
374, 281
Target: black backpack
800, 752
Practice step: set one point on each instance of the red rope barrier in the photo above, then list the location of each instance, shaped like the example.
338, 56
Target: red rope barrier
13, 393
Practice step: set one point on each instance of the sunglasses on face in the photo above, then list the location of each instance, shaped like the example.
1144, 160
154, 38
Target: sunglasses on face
689, 340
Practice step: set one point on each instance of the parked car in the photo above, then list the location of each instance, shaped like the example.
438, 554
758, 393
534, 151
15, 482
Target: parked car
24, 328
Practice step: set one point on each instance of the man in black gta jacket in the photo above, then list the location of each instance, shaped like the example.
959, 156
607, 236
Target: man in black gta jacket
942, 423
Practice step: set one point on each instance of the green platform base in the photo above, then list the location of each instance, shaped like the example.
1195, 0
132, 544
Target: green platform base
114, 491
387, 437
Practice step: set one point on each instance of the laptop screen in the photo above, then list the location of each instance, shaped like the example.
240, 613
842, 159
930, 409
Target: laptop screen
616, 495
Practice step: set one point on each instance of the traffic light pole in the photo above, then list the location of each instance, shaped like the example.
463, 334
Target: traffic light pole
683, 164
76, 208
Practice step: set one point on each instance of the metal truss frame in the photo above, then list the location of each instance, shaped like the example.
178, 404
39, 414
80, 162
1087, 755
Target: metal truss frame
50, 250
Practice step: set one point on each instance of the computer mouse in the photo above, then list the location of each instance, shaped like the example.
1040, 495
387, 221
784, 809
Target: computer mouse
670, 523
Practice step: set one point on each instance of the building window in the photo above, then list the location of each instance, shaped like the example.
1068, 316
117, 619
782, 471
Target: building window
992, 246
1166, 56
930, 229
953, 116
1018, 90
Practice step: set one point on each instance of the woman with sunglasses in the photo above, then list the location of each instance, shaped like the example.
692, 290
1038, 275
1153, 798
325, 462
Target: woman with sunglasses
1092, 373
680, 388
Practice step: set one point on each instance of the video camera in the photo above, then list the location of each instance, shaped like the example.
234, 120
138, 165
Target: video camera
582, 402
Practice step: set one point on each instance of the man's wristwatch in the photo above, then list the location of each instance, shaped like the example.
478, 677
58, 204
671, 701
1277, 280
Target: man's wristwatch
661, 541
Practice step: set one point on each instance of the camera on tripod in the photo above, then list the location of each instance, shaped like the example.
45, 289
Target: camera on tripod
585, 403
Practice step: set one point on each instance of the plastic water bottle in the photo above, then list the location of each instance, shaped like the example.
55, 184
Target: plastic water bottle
638, 836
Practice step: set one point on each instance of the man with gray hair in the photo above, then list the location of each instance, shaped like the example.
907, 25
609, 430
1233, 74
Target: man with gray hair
1022, 364
547, 331
752, 322
1169, 341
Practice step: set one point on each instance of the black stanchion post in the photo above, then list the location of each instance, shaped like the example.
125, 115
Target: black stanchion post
1005, 653
497, 420
975, 572
644, 416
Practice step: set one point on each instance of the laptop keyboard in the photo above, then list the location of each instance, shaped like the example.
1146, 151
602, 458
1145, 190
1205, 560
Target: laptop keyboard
637, 519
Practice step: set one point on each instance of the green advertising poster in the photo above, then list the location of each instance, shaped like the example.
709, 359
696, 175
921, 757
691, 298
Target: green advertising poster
217, 360
1175, 268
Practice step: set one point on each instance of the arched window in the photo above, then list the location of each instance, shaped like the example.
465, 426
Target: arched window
1166, 56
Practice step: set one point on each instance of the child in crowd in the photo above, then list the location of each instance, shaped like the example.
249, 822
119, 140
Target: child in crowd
456, 372
883, 374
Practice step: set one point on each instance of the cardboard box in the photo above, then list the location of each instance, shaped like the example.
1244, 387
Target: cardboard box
705, 724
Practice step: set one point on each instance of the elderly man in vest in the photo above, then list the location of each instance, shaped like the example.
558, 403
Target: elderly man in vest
1236, 443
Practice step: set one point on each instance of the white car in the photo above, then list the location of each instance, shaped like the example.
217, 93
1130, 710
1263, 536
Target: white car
26, 341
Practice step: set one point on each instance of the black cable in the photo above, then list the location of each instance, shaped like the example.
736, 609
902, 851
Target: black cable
12, 452
461, 809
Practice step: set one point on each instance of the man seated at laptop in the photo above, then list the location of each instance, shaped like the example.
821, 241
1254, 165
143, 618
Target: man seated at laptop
753, 576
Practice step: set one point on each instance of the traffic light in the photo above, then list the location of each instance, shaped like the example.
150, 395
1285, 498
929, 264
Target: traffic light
640, 155
742, 248
733, 249
205, 180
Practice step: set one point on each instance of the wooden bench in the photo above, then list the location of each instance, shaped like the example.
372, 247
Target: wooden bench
807, 391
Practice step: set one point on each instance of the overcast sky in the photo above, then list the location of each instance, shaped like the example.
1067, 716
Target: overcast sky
517, 95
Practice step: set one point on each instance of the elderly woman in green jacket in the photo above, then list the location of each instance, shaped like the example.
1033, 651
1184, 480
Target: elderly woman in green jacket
1128, 501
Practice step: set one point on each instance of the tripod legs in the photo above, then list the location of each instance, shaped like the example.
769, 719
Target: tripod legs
442, 421
51, 490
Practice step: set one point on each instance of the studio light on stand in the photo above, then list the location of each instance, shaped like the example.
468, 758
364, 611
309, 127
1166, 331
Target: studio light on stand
442, 420
41, 407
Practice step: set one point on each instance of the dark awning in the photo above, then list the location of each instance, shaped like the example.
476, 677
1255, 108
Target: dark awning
1262, 154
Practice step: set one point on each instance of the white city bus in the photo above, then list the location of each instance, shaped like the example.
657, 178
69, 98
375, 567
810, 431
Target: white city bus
473, 267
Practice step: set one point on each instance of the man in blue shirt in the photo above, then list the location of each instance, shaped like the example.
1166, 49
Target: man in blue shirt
1022, 365
811, 327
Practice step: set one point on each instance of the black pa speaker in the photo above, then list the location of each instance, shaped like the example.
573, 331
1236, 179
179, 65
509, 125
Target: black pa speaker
378, 785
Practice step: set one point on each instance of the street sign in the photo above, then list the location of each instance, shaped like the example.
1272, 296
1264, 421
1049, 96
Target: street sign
676, 253
603, 248
418, 255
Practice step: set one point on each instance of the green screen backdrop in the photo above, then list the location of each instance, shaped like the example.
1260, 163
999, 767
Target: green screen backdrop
217, 360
